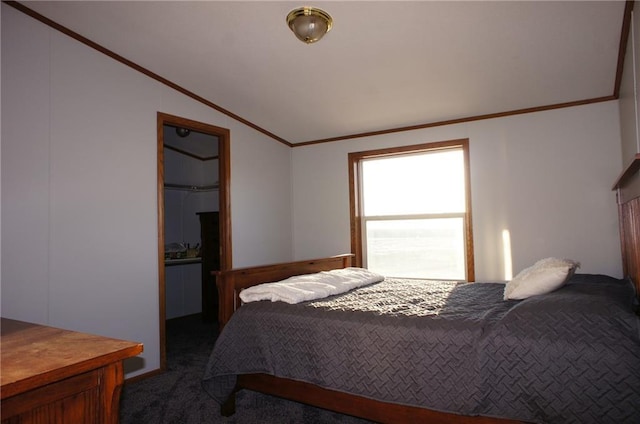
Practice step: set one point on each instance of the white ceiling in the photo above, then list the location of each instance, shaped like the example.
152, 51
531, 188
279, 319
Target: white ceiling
384, 65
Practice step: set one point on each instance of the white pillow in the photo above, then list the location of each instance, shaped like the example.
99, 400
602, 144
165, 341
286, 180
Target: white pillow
544, 276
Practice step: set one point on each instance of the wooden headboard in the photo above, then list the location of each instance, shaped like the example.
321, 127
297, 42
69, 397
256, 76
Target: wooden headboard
628, 192
231, 282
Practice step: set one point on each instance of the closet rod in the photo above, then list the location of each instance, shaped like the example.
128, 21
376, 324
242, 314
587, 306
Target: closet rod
191, 187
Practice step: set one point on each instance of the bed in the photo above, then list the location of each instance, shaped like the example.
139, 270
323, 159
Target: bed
446, 352
568, 356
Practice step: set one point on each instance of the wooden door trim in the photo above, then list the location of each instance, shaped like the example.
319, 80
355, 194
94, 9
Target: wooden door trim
224, 172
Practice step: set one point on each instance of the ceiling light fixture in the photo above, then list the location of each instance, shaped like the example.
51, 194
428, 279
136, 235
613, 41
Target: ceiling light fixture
309, 24
182, 132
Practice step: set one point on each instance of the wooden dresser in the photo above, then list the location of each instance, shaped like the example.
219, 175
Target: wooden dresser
50, 375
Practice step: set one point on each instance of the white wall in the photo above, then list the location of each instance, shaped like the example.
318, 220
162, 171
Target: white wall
630, 106
79, 219
630, 93
0, 173
546, 177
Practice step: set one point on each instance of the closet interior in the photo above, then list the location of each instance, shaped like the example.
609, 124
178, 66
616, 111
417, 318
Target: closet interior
191, 222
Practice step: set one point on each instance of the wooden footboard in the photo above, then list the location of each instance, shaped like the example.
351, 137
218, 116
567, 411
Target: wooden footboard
231, 282
345, 403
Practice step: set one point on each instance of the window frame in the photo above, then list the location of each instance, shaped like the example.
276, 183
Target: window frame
355, 193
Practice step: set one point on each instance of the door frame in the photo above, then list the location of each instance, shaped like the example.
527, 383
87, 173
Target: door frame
224, 179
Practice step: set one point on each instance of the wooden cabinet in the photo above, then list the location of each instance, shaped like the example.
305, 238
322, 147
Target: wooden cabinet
50, 375
210, 253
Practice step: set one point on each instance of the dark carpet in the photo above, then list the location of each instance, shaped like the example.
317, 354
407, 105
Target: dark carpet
177, 397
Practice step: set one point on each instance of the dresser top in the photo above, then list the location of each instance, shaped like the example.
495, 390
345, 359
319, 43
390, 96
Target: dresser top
32, 355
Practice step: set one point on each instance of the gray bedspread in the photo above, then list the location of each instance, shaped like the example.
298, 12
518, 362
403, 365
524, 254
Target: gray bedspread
571, 356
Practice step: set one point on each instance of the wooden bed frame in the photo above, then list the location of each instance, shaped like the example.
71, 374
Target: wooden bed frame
230, 283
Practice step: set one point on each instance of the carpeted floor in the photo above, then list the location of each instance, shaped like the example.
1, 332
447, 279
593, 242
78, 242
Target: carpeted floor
176, 396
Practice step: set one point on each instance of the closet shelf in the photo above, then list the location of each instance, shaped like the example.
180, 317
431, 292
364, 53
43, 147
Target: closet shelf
187, 187
182, 261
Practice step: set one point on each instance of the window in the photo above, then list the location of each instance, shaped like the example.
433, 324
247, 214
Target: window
411, 211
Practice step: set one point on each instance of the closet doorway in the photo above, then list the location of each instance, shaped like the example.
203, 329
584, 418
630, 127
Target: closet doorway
193, 185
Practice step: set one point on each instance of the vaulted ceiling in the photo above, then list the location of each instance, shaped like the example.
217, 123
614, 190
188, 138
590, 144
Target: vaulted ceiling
384, 65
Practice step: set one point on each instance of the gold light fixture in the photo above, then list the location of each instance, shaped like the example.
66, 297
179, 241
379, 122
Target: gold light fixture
309, 24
